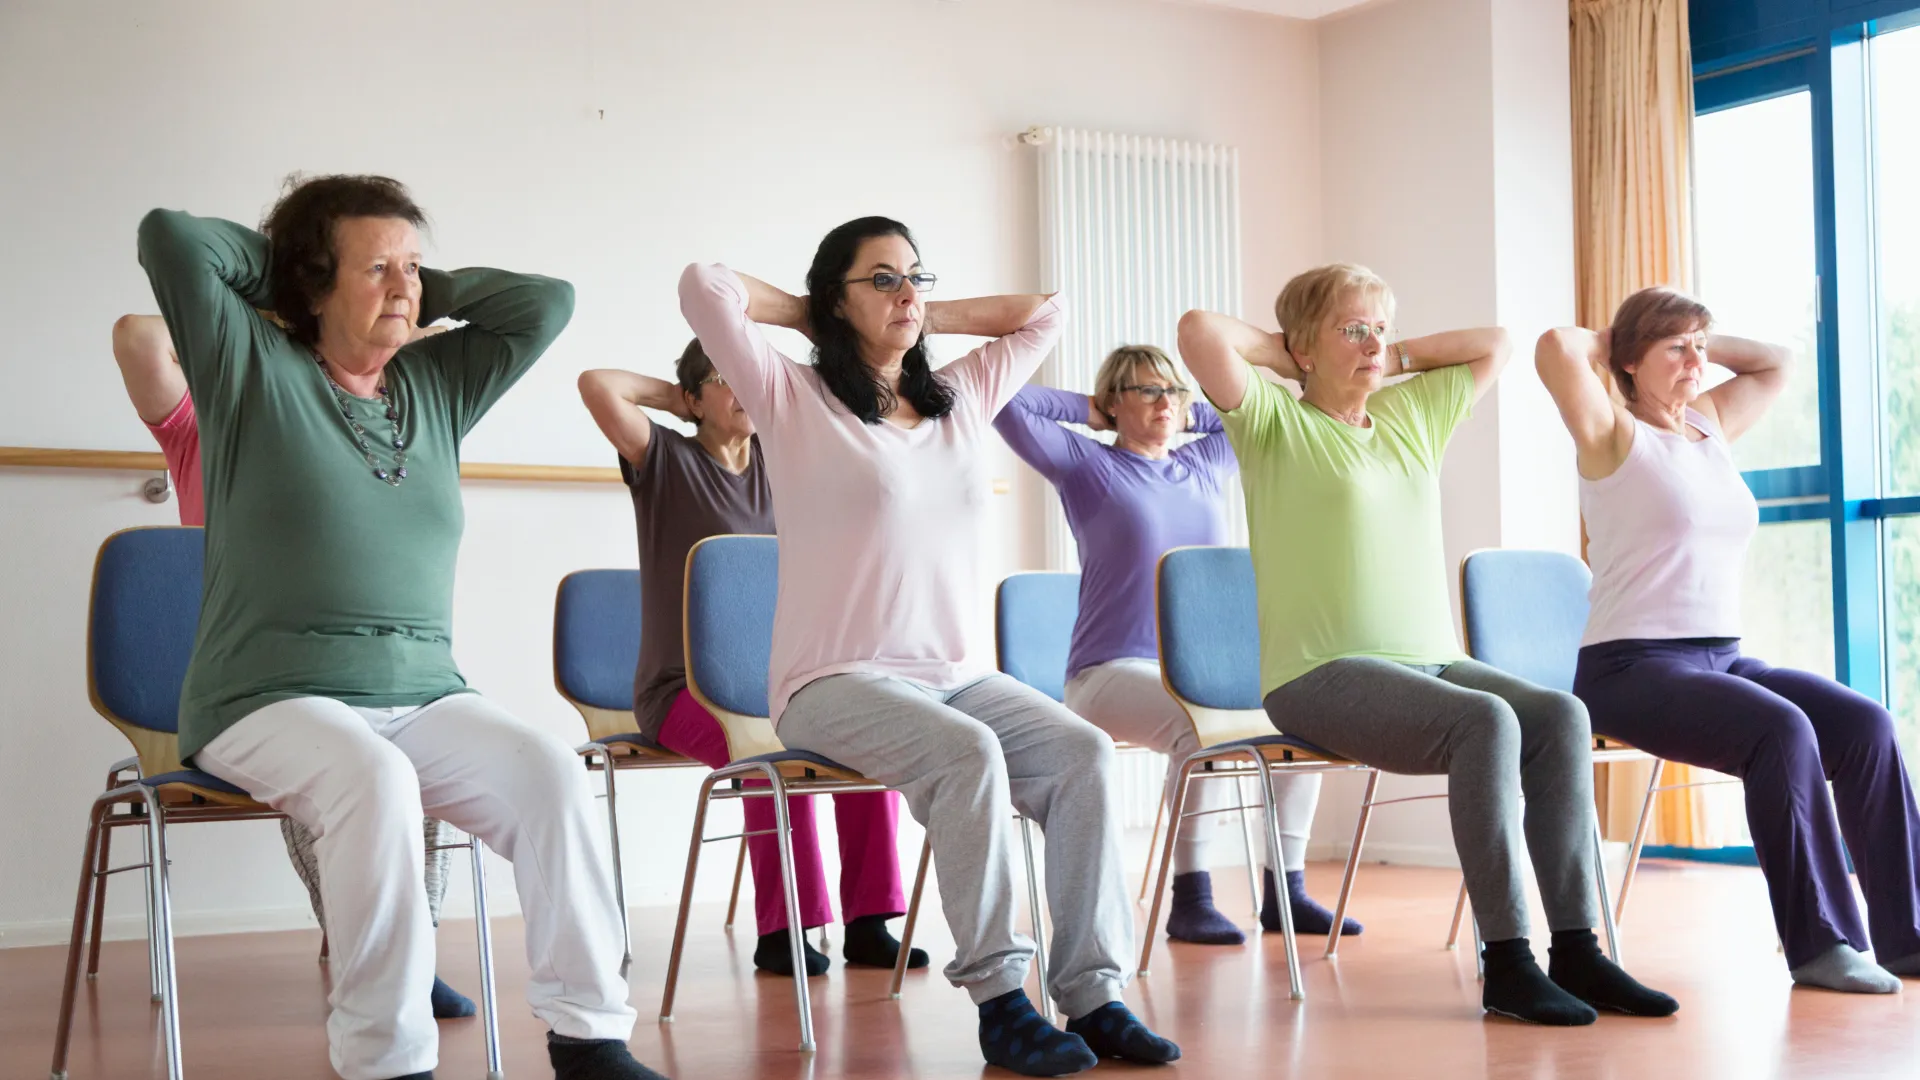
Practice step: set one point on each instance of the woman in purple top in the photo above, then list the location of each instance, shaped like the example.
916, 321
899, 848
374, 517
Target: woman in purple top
1129, 503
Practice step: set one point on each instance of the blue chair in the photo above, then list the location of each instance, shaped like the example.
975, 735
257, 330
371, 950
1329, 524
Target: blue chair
1033, 618
142, 619
596, 647
1525, 612
1209, 633
731, 586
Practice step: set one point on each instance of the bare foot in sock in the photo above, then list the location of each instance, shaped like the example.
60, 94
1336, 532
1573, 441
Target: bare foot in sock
1194, 918
774, 955
595, 1059
1309, 915
1845, 969
1516, 988
870, 944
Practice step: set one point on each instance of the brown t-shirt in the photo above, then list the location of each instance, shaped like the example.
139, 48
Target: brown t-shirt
681, 496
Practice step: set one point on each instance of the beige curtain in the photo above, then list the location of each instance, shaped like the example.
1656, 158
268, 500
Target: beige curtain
1632, 122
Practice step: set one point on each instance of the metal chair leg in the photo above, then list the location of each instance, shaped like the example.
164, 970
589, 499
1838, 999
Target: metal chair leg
789, 887
483, 933
739, 871
913, 919
1153, 838
1600, 879
169, 979
1459, 914
1246, 841
1270, 809
1175, 815
1639, 841
1479, 954
1039, 918
686, 900
605, 754
1353, 861
63, 1032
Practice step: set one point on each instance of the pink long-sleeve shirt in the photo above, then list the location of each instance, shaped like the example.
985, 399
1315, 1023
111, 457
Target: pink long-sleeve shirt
878, 556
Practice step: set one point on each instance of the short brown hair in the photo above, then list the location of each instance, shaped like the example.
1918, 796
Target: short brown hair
1119, 366
692, 368
1647, 317
1308, 299
300, 227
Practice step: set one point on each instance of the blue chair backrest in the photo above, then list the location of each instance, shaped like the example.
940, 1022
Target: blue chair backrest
1210, 626
732, 585
1033, 617
1525, 612
596, 637
141, 623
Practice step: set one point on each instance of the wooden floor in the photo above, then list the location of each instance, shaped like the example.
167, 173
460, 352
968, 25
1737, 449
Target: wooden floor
1394, 1004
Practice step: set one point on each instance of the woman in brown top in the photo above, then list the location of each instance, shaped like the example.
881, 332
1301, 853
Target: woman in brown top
685, 490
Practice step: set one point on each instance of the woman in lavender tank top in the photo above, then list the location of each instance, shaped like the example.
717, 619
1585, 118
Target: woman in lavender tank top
1660, 665
1128, 503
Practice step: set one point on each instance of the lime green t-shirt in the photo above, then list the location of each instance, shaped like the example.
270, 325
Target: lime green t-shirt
322, 580
1345, 524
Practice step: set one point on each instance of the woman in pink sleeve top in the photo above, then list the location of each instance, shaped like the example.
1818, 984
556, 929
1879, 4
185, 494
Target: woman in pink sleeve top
878, 485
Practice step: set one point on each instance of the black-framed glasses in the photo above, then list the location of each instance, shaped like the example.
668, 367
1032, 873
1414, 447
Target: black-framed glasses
891, 282
1152, 394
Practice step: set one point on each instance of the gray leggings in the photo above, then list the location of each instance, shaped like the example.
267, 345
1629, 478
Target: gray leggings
965, 759
1496, 738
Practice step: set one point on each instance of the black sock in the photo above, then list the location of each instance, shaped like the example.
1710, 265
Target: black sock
1576, 964
594, 1059
1113, 1031
774, 955
1015, 1036
448, 1003
1193, 916
870, 944
415, 1076
1309, 917
1517, 988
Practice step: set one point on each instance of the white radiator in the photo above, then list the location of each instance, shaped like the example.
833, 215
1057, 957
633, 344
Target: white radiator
1134, 231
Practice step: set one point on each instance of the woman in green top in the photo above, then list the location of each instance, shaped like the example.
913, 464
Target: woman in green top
322, 679
1358, 652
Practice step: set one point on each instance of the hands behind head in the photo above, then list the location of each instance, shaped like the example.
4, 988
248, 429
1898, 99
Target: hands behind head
1097, 419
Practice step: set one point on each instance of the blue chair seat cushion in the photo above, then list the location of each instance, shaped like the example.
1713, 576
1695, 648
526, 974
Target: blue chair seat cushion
197, 779
632, 738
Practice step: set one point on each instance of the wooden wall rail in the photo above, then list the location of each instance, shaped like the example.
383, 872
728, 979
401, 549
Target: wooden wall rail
35, 457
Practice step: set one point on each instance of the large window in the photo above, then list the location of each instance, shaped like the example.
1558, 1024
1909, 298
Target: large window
1807, 222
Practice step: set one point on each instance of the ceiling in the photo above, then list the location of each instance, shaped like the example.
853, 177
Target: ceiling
1298, 9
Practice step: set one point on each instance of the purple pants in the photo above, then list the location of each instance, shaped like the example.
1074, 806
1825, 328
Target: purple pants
1785, 734
866, 822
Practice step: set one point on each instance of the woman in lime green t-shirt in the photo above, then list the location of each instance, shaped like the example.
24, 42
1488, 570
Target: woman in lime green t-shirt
1358, 651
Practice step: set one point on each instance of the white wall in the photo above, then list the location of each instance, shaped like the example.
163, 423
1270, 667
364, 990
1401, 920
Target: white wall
606, 143
1446, 167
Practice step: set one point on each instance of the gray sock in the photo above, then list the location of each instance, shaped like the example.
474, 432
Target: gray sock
1907, 967
1846, 970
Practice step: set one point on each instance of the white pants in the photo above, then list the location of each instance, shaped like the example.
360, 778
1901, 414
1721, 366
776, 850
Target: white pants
1126, 699
361, 779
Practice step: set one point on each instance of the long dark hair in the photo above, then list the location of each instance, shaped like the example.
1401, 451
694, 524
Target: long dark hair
836, 345
299, 231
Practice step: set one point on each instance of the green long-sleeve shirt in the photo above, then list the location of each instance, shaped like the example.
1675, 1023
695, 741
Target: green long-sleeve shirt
321, 579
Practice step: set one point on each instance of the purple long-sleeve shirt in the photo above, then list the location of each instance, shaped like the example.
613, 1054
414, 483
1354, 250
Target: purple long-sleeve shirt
1125, 511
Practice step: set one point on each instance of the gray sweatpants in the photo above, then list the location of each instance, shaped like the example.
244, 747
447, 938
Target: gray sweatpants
1496, 738
965, 759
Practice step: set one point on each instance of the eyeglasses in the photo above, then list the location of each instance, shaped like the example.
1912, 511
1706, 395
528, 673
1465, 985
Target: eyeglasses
1357, 332
714, 379
1152, 394
890, 283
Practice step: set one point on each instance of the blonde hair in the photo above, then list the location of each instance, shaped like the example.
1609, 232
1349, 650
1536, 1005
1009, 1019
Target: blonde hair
1310, 297
1117, 370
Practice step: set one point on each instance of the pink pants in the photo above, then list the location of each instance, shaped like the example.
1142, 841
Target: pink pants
867, 823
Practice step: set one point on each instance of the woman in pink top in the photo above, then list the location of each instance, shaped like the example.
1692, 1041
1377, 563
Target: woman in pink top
158, 389
879, 487
1660, 664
